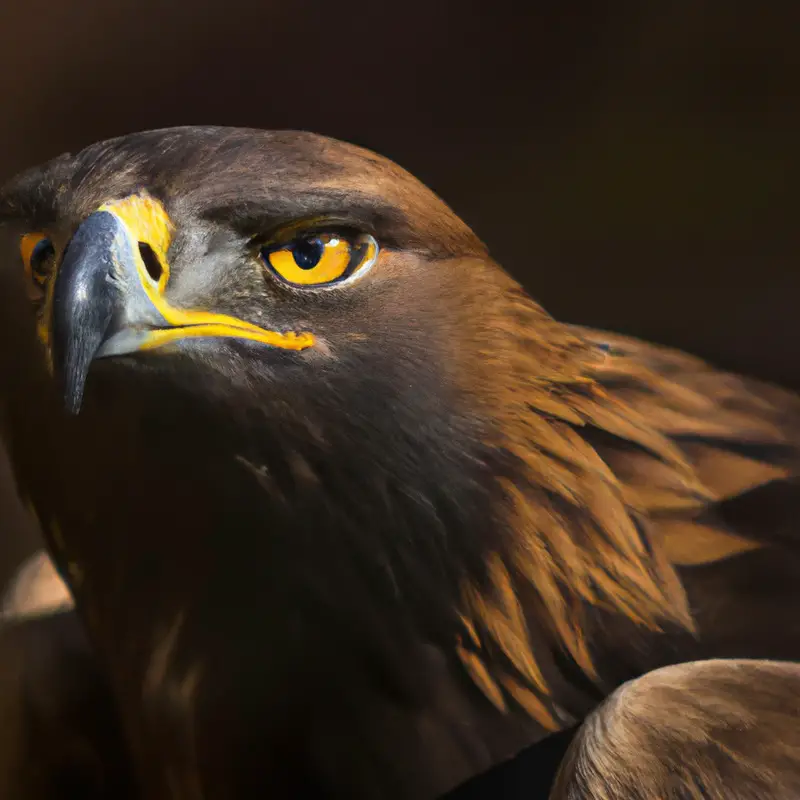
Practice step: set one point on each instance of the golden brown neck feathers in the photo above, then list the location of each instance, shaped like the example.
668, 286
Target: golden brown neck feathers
610, 440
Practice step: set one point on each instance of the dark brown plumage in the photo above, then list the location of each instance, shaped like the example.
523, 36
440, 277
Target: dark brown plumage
391, 559
60, 737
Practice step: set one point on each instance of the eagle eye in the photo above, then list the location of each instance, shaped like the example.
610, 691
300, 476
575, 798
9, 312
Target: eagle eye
321, 259
38, 257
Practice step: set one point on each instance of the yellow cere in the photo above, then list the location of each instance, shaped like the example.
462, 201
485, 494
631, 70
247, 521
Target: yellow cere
148, 222
332, 264
26, 247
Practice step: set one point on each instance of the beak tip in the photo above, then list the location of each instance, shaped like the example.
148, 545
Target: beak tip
72, 405
72, 394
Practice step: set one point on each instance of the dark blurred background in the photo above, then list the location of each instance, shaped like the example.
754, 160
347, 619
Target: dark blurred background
634, 163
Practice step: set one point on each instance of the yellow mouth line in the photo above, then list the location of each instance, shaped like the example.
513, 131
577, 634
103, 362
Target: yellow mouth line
286, 341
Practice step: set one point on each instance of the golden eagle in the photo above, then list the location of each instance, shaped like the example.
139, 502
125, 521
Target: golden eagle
341, 507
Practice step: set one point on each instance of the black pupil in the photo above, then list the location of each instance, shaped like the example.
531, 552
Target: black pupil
308, 252
41, 254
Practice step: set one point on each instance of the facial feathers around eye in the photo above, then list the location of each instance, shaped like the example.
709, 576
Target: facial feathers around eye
331, 490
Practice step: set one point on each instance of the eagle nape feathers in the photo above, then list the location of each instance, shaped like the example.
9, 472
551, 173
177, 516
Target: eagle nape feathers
344, 511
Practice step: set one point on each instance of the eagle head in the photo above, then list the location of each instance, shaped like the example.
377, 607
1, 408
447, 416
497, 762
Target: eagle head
309, 460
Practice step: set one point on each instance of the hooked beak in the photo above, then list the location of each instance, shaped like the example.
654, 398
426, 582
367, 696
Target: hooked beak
109, 297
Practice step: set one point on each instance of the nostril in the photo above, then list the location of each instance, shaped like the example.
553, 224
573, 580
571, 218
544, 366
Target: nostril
151, 262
